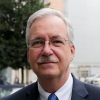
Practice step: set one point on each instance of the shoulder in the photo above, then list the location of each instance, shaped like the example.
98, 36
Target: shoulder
89, 87
21, 94
88, 91
92, 88
94, 91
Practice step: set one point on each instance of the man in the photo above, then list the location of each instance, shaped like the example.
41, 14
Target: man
50, 49
1, 80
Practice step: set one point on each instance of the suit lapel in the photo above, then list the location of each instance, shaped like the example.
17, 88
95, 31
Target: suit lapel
32, 93
79, 91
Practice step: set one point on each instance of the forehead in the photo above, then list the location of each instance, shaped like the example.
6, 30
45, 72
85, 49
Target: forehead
48, 25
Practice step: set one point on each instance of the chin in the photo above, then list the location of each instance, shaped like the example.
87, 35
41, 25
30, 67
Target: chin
49, 75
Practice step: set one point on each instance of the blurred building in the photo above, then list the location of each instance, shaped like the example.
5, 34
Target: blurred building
57, 5
84, 16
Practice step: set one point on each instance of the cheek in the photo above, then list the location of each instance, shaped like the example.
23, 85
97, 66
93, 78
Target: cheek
62, 53
34, 55
64, 56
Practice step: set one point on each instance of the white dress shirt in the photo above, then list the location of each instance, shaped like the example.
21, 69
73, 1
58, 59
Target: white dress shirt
64, 93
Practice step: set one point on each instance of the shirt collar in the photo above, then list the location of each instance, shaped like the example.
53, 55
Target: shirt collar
64, 92
43, 95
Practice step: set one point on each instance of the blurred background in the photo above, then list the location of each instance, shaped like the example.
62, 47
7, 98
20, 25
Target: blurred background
15, 72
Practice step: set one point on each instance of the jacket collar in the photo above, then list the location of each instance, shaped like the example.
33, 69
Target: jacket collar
79, 91
32, 93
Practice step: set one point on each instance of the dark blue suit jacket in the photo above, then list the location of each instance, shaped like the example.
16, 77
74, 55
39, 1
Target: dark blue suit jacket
81, 91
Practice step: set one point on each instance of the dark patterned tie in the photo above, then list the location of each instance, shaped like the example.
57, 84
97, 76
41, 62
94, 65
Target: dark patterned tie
52, 97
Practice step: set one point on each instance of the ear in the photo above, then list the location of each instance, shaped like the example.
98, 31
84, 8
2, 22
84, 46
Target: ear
72, 52
28, 54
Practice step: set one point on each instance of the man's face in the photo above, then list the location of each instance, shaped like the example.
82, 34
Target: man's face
59, 58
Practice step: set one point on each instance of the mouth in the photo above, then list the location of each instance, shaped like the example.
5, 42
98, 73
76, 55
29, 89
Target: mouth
47, 62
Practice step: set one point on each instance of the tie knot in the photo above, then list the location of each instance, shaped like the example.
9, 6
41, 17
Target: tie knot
52, 97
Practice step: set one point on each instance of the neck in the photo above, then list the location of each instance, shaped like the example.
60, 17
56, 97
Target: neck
51, 85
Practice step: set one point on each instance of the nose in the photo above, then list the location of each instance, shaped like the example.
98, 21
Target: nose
47, 51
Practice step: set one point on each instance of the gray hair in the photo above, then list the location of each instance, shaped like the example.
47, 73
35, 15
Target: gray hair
48, 11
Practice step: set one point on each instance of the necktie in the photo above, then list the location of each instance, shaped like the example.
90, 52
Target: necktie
52, 97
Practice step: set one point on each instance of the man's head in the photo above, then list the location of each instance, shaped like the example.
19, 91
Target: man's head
50, 44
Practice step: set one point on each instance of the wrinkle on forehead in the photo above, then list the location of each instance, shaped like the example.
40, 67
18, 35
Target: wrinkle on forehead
47, 25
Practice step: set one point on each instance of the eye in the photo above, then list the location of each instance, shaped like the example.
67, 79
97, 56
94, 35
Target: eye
37, 43
57, 41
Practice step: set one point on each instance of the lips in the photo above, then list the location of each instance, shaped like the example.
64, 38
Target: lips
47, 62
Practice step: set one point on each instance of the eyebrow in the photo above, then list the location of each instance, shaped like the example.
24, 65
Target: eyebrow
37, 38
57, 36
